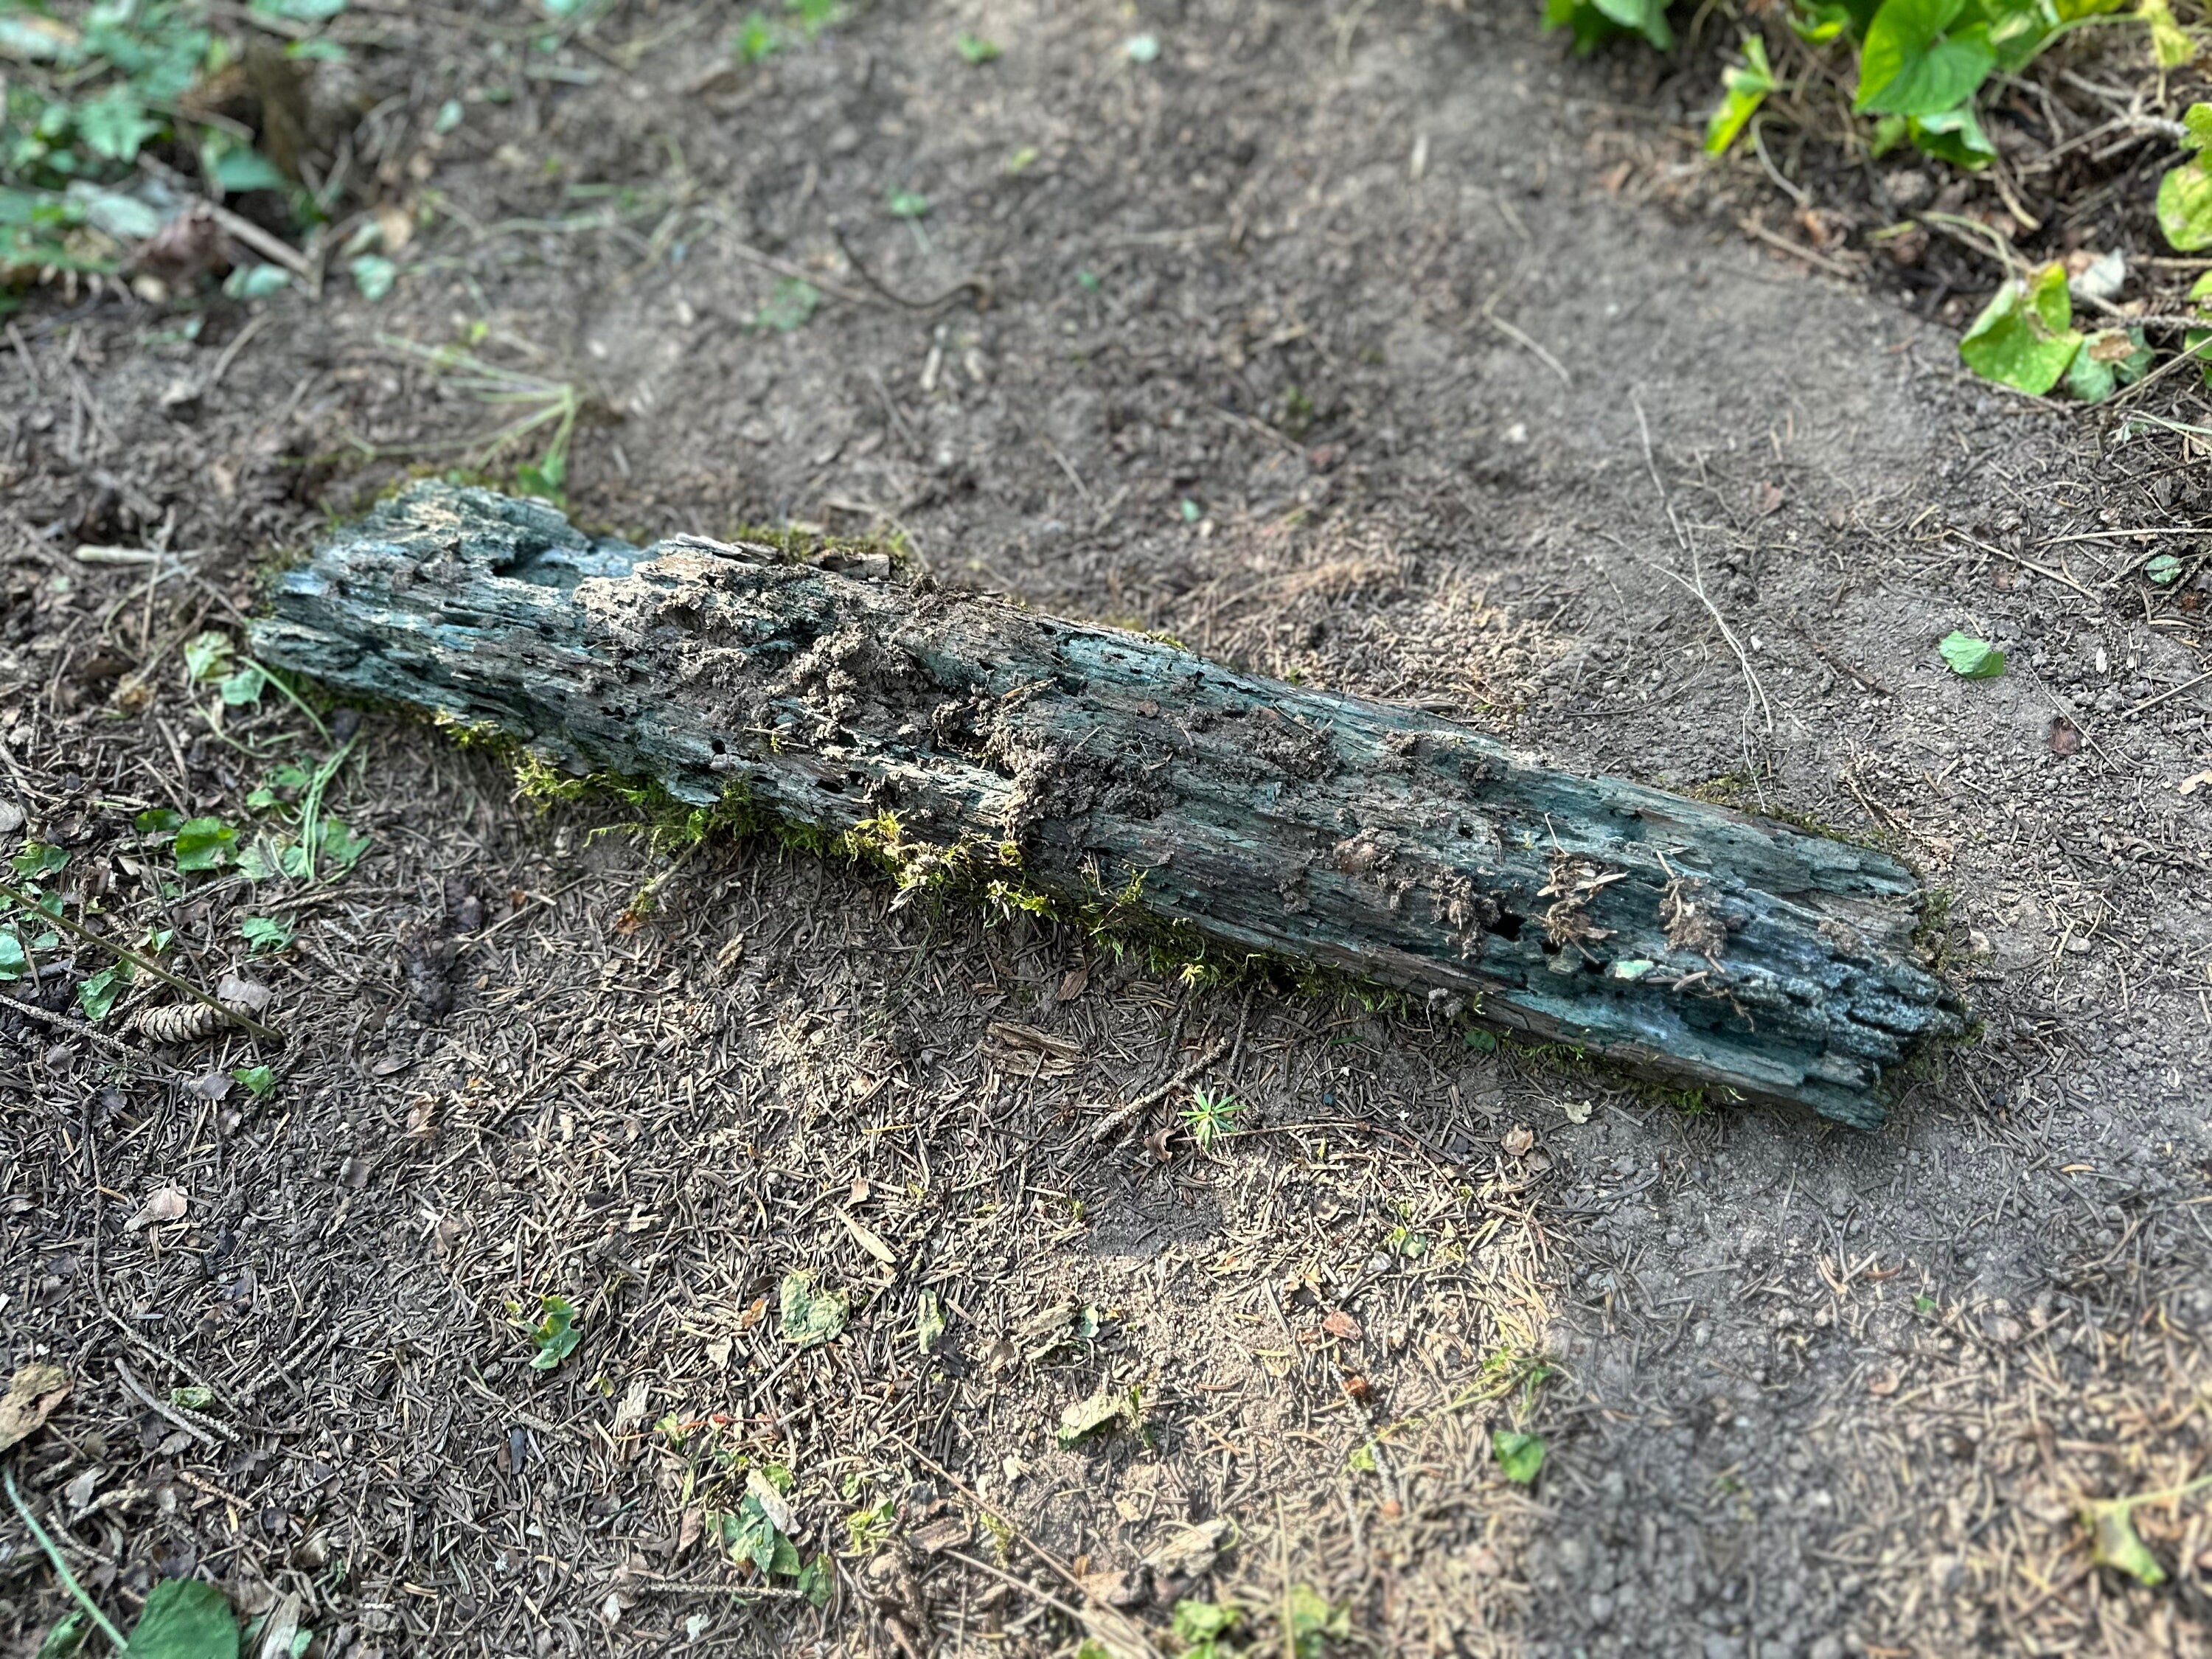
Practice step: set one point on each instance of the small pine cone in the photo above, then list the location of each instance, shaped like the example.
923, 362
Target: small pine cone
178, 1022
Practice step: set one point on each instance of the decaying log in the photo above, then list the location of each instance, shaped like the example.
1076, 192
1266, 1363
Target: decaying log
1682, 940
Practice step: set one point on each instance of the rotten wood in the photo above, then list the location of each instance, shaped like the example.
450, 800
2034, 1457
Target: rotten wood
965, 735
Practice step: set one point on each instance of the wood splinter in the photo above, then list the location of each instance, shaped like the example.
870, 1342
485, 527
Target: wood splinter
962, 734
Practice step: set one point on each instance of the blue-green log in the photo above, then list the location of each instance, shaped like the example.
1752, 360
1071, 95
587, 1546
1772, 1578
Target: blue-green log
1701, 946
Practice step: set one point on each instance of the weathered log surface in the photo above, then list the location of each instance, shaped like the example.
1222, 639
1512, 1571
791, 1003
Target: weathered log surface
1680, 938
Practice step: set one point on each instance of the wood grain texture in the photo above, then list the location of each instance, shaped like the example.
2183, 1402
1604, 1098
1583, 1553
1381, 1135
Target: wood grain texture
1683, 940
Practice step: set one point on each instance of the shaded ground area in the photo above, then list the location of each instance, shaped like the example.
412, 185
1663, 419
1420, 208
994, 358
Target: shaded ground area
1318, 344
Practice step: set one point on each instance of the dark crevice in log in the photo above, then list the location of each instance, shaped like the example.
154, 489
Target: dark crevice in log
1679, 938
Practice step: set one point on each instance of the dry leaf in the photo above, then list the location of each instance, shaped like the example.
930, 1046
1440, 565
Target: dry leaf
1157, 1142
868, 1240
32, 1394
162, 1204
1341, 1325
1518, 1139
1073, 983
1883, 1382
1578, 1111
244, 994
751, 1317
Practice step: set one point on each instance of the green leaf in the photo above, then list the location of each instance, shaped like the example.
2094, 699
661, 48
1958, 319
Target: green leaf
755, 40
2170, 44
907, 205
66, 1639
1910, 65
817, 1580
2163, 569
257, 282
36, 859
192, 1396
2023, 338
1953, 135
556, 1335
158, 821
258, 1080
1200, 1621
374, 275
929, 1326
242, 686
1315, 1621
339, 844
184, 1619
300, 11
1743, 90
204, 844
97, 994
124, 217
2185, 203
1482, 1041
265, 934
975, 49
790, 307
814, 16
2109, 359
1519, 1456
14, 962
237, 170
1141, 48
115, 125
1971, 659
207, 656
810, 1318
1645, 18
2114, 1542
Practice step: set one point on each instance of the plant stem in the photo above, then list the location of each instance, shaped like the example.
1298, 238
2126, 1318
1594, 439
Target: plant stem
145, 962
62, 1567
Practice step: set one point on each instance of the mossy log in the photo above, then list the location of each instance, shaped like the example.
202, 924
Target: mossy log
964, 735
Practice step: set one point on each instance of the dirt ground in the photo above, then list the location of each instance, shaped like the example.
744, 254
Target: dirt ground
1335, 343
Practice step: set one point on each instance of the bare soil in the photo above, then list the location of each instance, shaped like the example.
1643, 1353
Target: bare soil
1320, 344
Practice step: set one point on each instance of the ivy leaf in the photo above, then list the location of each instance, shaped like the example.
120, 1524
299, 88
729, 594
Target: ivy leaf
2162, 569
1645, 18
1519, 1456
1971, 659
2024, 337
1743, 90
2114, 1542
242, 686
14, 962
977, 50
1910, 65
810, 1318
907, 205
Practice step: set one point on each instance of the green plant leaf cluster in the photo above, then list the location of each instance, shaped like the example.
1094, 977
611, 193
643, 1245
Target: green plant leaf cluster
84, 95
2025, 338
556, 1336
